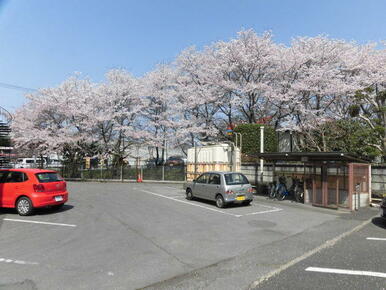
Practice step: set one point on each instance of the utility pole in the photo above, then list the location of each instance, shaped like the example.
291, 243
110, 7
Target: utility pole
261, 151
195, 160
238, 146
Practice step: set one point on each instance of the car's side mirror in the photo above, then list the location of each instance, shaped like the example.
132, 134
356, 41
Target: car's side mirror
194, 180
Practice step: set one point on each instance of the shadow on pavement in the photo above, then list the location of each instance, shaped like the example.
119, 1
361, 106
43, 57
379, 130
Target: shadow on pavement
52, 210
39, 211
379, 222
213, 203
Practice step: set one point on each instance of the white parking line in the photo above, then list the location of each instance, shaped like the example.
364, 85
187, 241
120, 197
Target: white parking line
38, 222
268, 206
271, 209
325, 245
346, 272
376, 239
190, 203
180, 188
265, 211
178, 199
4, 260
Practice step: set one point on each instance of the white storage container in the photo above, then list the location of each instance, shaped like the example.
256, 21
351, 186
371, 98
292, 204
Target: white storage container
219, 153
218, 157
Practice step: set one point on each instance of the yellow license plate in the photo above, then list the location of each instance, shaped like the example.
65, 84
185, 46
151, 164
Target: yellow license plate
240, 197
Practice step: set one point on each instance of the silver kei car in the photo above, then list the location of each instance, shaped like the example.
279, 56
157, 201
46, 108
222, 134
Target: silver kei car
222, 187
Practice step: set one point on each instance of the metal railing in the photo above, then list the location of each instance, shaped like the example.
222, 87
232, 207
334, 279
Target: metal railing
5, 130
5, 116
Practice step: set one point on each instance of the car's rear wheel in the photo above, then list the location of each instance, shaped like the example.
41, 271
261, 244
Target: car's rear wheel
220, 201
189, 194
24, 206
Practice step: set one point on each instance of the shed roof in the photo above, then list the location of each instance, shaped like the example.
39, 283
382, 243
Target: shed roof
311, 157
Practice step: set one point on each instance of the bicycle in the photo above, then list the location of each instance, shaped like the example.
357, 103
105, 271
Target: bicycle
278, 190
298, 189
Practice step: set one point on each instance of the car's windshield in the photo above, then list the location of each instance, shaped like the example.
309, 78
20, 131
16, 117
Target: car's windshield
235, 178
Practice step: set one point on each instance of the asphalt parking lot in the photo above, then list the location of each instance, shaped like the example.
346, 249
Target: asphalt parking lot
356, 262
130, 236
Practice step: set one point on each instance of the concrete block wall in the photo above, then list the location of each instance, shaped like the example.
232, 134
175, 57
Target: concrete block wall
378, 179
252, 172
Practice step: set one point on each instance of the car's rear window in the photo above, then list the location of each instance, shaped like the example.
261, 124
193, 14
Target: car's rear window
48, 177
235, 178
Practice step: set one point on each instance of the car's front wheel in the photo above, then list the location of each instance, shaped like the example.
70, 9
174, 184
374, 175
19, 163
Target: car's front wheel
24, 206
189, 194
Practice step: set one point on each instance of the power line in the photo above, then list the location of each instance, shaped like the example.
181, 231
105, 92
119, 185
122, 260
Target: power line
16, 87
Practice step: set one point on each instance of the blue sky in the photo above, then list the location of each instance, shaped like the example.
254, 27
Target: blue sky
43, 42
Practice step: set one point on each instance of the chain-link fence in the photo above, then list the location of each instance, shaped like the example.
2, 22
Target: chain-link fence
158, 173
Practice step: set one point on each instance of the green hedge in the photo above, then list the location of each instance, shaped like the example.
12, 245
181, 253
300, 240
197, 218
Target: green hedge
251, 138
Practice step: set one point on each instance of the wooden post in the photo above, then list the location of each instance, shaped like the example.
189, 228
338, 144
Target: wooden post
350, 185
337, 188
369, 183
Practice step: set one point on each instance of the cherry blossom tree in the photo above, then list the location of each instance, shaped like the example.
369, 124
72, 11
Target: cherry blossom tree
161, 113
319, 80
247, 70
198, 95
54, 117
302, 87
115, 114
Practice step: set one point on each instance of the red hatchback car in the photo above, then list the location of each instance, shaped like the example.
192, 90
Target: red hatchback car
26, 189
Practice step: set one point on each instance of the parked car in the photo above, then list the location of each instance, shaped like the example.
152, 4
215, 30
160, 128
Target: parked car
54, 163
27, 189
222, 187
153, 162
30, 163
383, 208
25, 163
175, 161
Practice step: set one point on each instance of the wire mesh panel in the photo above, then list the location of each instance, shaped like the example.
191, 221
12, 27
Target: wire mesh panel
361, 177
129, 172
71, 171
152, 173
343, 190
332, 191
174, 173
360, 185
318, 190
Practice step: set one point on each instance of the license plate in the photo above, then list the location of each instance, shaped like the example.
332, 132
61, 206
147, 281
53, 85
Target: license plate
58, 198
240, 198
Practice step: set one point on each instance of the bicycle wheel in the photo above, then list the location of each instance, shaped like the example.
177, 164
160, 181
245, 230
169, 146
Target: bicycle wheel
272, 192
281, 193
299, 194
